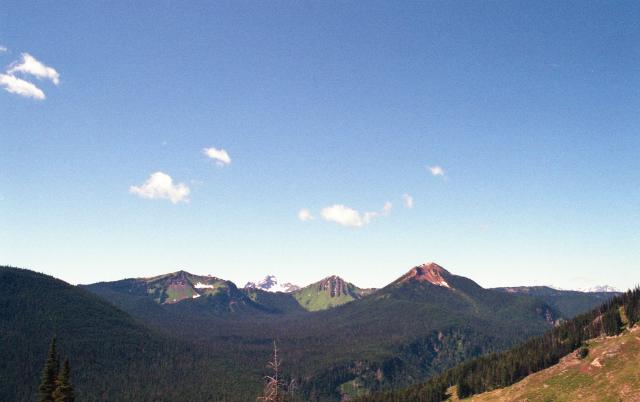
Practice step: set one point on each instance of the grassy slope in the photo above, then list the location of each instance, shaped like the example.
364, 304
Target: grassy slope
315, 300
610, 372
317, 296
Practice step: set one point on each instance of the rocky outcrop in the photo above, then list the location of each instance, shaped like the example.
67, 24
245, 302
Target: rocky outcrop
429, 272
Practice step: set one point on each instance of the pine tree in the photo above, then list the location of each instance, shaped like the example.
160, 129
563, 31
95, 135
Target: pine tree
632, 311
612, 322
49, 374
64, 389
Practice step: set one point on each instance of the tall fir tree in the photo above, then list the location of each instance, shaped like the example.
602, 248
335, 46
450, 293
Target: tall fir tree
49, 374
64, 389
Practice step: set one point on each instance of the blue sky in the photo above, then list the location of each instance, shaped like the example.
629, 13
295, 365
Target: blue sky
530, 110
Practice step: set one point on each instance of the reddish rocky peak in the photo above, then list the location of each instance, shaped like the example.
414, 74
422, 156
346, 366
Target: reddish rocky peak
429, 272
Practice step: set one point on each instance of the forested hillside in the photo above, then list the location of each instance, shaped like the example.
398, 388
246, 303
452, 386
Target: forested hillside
393, 337
114, 356
216, 345
605, 370
502, 369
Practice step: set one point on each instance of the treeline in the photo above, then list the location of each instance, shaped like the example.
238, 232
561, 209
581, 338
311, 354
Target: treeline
499, 370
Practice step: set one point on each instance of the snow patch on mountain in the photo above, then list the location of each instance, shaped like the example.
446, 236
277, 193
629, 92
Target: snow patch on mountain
270, 284
201, 285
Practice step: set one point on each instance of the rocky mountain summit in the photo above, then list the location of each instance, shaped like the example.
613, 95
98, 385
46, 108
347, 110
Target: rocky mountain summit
428, 272
271, 284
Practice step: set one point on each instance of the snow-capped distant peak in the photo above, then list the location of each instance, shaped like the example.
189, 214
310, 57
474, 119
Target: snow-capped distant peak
601, 288
270, 284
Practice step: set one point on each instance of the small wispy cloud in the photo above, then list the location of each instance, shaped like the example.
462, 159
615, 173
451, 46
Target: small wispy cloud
219, 155
20, 87
305, 215
11, 81
436, 170
407, 201
30, 65
346, 216
386, 209
160, 186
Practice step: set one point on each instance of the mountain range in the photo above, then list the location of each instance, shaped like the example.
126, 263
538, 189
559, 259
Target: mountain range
591, 357
336, 340
569, 302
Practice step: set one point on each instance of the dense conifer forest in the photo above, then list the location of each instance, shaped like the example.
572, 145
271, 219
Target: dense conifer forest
498, 370
200, 351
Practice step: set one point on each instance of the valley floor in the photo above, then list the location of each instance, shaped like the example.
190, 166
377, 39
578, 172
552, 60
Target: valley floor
611, 372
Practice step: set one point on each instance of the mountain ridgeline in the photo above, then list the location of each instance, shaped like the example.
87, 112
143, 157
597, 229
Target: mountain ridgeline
493, 371
210, 340
569, 302
267, 295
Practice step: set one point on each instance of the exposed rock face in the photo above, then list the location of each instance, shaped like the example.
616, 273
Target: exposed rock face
334, 285
270, 284
429, 272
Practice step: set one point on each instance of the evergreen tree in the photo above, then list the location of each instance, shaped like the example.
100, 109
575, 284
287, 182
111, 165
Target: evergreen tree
49, 374
632, 310
612, 322
64, 389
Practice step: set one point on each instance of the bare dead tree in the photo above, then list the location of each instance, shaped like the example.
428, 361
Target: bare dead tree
272, 388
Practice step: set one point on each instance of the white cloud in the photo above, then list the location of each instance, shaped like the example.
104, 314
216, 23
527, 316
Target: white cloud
30, 65
160, 186
20, 87
386, 209
343, 215
436, 170
219, 155
407, 201
349, 217
305, 215
3, 49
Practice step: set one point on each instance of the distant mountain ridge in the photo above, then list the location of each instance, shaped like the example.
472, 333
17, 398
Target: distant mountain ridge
338, 339
569, 302
327, 293
599, 289
173, 287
